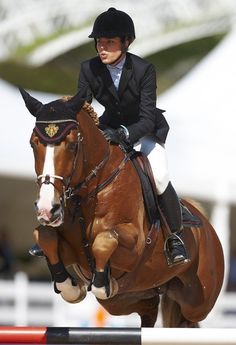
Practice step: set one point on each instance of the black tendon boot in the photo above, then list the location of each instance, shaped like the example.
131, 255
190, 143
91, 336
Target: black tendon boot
169, 204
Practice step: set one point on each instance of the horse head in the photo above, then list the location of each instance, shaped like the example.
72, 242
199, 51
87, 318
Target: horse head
56, 145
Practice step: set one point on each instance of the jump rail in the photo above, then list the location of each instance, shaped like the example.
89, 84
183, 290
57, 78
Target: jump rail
111, 336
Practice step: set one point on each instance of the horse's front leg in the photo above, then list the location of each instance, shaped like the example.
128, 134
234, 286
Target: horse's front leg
47, 238
103, 247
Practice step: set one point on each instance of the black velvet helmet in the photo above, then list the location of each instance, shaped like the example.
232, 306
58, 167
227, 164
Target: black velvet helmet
113, 23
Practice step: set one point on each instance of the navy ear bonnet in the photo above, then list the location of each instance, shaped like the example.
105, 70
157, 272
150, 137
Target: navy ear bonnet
54, 122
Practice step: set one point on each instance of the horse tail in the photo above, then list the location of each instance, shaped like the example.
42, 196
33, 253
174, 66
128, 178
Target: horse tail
172, 316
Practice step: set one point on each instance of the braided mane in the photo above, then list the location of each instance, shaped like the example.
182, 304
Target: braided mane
92, 113
86, 107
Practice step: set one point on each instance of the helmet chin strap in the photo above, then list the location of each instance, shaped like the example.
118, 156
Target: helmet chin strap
117, 60
124, 50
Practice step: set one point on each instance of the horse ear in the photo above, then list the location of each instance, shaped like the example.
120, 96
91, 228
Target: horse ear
32, 104
77, 101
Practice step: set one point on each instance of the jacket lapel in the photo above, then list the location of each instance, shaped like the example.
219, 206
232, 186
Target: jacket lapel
126, 75
108, 82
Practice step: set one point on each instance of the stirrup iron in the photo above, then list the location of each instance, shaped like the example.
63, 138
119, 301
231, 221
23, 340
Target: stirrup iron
167, 251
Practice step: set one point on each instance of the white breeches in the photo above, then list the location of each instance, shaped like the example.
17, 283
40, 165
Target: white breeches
157, 156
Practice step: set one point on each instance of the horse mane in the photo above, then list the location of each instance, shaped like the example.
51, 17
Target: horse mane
86, 107
92, 113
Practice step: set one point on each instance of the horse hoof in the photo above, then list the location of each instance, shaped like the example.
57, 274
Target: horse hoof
70, 293
100, 292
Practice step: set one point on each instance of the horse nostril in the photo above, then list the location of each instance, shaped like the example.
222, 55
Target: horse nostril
56, 213
36, 205
55, 209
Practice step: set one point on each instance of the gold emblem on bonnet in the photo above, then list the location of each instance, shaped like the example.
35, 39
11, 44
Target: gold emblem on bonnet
51, 129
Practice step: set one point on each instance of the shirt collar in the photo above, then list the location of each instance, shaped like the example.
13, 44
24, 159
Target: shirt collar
119, 65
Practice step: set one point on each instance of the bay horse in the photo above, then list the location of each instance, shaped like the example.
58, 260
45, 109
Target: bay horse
95, 232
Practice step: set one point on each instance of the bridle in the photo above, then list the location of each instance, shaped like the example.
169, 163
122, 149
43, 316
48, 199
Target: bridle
68, 191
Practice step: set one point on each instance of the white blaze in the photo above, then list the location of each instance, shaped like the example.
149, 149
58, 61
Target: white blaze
46, 194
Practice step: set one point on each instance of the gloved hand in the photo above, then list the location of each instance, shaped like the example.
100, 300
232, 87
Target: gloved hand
116, 136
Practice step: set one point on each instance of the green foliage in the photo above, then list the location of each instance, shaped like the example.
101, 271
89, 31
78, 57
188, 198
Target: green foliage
60, 75
173, 63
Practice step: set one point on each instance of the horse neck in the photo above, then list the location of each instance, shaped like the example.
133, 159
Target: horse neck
94, 147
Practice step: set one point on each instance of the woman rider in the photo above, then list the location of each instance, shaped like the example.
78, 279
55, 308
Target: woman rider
125, 85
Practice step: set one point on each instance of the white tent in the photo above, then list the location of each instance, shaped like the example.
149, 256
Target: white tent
16, 156
201, 110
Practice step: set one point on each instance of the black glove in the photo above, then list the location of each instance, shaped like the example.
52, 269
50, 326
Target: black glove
116, 136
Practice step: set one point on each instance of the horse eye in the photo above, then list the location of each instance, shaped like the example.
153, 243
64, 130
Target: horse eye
72, 146
33, 144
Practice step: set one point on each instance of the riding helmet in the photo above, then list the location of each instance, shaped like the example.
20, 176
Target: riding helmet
113, 23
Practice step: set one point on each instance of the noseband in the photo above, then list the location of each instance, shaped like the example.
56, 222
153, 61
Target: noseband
48, 180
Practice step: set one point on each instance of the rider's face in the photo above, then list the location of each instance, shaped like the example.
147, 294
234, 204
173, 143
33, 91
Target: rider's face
110, 50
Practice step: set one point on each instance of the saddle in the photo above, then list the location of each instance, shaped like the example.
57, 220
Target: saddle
144, 170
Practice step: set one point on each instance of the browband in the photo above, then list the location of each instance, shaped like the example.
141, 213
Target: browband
53, 132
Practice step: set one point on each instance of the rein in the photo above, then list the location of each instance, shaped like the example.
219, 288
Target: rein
72, 190
114, 173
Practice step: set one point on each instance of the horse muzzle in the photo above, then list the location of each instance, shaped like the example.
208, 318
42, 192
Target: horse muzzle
53, 217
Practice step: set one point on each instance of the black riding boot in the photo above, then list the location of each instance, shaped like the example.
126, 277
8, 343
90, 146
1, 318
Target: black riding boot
170, 206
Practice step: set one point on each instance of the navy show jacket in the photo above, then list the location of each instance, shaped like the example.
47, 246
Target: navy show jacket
133, 104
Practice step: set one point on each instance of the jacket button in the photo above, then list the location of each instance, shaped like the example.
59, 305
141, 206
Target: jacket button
118, 112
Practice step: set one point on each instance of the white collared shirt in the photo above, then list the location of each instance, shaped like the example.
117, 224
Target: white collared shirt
116, 71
